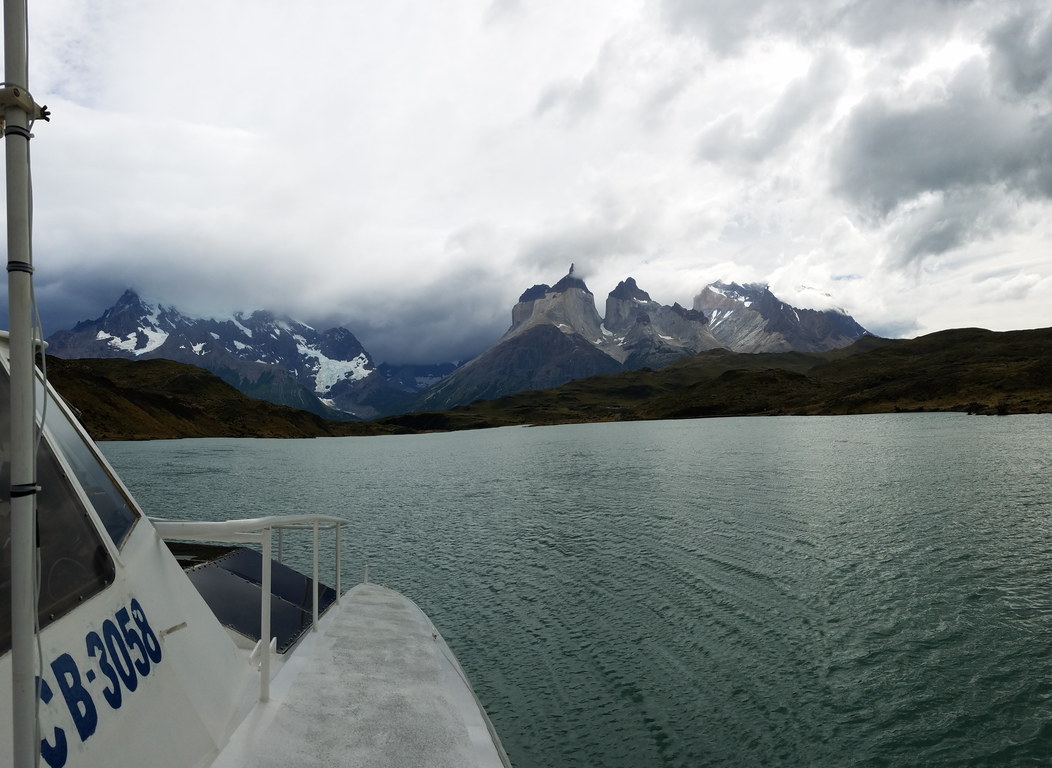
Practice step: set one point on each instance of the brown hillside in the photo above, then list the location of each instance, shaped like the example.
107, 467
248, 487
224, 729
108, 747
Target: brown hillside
120, 399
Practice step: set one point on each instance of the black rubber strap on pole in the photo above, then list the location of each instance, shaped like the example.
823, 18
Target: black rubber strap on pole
27, 489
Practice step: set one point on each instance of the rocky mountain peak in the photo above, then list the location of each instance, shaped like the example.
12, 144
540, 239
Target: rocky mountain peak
568, 305
534, 293
689, 314
737, 292
340, 344
125, 316
568, 282
644, 333
627, 290
750, 318
128, 301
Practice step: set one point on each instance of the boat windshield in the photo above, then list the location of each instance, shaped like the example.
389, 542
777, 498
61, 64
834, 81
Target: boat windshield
74, 562
113, 508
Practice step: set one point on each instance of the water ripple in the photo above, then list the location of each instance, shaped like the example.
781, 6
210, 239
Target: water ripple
852, 591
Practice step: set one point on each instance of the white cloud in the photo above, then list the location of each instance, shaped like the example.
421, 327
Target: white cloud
409, 170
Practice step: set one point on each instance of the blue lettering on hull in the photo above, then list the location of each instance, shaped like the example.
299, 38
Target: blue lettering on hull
125, 652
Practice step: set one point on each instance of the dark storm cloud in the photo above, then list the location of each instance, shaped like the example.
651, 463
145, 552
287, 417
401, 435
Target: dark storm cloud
805, 99
1021, 52
455, 317
429, 333
891, 154
64, 301
947, 221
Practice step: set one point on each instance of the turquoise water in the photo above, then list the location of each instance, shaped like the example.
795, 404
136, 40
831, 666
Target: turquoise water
870, 590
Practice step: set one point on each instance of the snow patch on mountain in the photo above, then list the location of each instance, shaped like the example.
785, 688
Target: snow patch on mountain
244, 329
130, 342
331, 371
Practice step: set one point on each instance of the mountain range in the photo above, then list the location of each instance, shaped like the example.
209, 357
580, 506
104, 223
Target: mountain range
966, 370
556, 336
263, 355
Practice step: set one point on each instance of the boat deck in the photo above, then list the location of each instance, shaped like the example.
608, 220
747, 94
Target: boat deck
376, 686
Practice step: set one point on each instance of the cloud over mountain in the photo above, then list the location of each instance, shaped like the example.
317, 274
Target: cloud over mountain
429, 159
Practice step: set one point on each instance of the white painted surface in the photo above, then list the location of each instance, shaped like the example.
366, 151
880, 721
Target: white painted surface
376, 686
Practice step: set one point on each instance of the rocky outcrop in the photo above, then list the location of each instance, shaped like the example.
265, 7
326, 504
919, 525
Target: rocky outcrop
568, 305
749, 318
644, 334
556, 335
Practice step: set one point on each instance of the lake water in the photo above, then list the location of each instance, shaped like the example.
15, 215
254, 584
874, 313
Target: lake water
824, 591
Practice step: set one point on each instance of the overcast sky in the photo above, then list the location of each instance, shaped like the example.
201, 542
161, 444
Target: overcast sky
408, 169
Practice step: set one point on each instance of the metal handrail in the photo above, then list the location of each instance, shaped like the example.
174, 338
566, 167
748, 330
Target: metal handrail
259, 530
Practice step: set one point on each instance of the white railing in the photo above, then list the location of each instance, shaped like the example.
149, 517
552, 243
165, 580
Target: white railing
260, 530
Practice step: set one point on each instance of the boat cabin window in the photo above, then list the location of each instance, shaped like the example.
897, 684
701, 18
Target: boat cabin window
74, 562
112, 506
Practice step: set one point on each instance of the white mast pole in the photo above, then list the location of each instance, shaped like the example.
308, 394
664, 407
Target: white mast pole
18, 108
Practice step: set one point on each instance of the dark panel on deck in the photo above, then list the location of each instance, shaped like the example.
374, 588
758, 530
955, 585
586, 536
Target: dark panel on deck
230, 585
